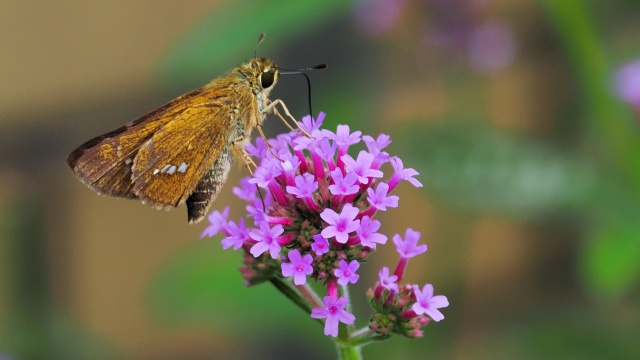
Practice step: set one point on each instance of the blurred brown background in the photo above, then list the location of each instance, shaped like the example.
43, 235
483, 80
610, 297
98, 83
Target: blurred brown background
89, 277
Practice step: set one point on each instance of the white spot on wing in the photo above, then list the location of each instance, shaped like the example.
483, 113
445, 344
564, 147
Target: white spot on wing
171, 170
165, 168
183, 167
156, 171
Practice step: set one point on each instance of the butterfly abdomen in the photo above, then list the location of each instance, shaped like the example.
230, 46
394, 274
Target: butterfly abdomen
209, 186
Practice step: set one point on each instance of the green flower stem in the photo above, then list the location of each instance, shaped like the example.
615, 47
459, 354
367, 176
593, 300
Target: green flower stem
347, 351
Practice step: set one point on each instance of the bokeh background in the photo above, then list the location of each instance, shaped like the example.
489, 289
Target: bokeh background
521, 116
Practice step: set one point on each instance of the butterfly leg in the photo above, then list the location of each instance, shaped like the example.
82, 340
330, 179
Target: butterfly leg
272, 107
247, 161
266, 142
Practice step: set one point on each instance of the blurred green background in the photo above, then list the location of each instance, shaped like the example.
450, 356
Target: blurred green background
508, 109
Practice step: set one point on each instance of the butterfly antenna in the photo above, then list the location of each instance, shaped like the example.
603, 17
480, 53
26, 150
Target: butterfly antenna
260, 40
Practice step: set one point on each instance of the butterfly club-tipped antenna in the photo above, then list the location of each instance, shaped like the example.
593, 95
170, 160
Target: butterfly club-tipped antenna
260, 40
284, 71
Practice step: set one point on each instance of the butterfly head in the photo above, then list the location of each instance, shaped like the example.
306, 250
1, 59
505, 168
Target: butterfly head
262, 73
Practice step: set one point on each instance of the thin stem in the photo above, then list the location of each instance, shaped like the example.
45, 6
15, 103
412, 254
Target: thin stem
310, 295
364, 336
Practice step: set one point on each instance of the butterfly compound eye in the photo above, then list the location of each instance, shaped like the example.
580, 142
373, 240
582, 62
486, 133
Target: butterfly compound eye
266, 79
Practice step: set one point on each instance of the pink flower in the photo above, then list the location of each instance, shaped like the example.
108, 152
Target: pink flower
340, 225
428, 304
299, 267
362, 166
400, 173
379, 198
238, 234
409, 247
334, 313
218, 221
267, 240
386, 281
320, 245
346, 273
367, 232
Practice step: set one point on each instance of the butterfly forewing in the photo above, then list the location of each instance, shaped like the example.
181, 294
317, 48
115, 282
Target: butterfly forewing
104, 162
169, 165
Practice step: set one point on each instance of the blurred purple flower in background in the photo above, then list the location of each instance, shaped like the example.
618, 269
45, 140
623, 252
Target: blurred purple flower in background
376, 17
627, 83
460, 25
490, 47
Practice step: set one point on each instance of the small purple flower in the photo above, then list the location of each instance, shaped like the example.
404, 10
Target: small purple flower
327, 152
310, 124
379, 198
388, 282
428, 304
340, 225
266, 173
343, 138
346, 273
409, 247
344, 185
259, 150
267, 240
218, 221
400, 173
299, 267
305, 143
334, 313
367, 232
376, 145
362, 166
289, 168
305, 186
238, 234
246, 191
320, 245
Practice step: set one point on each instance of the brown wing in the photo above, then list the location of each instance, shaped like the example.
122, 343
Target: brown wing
169, 165
104, 162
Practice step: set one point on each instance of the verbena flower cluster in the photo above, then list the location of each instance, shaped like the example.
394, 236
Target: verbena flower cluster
316, 218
